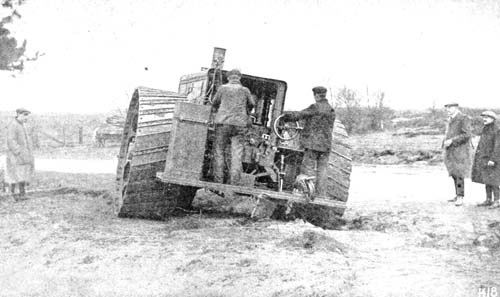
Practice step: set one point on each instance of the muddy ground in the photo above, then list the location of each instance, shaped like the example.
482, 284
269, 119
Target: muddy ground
397, 242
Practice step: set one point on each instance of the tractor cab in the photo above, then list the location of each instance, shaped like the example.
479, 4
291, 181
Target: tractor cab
267, 153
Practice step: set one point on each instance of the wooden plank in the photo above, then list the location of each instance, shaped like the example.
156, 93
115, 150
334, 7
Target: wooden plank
169, 195
188, 140
153, 140
297, 198
154, 129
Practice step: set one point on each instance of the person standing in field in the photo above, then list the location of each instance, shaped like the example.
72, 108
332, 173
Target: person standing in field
458, 151
20, 163
231, 105
486, 168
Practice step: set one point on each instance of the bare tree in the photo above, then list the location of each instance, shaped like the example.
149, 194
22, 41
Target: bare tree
348, 107
380, 112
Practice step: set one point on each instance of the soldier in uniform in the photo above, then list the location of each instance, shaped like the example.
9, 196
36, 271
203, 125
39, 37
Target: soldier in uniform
486, 168
231, 105
20, 161
458, 151
316, 138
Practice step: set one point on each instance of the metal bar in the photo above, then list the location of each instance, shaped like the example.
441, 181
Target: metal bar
250, 191
339, 168
155, 111
154, 123
343, 156
161, 101
186, 119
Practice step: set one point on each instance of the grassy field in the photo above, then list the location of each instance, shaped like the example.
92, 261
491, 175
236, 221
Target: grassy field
385, 148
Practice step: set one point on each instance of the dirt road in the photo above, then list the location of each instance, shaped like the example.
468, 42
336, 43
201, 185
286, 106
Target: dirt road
402, 239
72, 165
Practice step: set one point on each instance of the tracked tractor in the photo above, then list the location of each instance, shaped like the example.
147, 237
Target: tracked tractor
166, 152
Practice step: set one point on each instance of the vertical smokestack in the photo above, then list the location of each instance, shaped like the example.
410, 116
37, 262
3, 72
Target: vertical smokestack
218, 57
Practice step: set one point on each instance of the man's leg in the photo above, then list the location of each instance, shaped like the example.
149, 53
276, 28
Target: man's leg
322, 174
454, 199
219, 145
460, 186
308, 169
13, 192
22, 189
308, 166
489, 192
496, 196
460, 190
236, 154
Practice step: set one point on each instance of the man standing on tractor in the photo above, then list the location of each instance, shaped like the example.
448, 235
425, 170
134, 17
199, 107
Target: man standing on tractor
231, 105
316, 138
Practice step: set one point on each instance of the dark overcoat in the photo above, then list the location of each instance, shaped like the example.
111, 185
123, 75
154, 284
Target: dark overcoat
20, 162
488, 149
318, 125
458, 156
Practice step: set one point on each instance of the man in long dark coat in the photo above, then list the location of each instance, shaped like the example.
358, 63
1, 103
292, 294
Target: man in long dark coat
20, 161
486, 168
316, 138
231, 105
458, 149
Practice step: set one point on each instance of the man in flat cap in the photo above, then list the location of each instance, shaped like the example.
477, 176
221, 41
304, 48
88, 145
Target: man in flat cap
458, 150
486, 167
231, 105
316, 138
20, 163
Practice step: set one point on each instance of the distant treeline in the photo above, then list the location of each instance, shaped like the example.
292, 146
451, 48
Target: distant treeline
363, 119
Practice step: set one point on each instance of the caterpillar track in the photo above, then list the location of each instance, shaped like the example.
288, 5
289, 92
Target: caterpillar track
339, 164
145, 140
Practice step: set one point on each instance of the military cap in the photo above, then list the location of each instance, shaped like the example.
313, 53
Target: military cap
234, 72
451, 104
22, 110
489, 113
319, 90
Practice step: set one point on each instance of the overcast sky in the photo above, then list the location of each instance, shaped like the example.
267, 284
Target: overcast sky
417, 52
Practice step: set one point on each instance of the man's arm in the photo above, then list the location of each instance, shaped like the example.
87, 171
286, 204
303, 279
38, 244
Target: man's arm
312, 110
305, 113
12, 143
250, 101
495, 154
216, 101
465, 132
